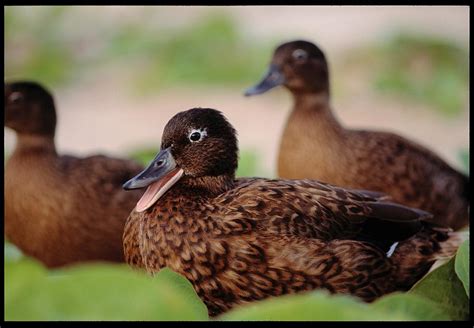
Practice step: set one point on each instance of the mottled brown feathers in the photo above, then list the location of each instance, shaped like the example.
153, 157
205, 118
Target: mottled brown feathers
61, 209
314, 145
263, 237
268, 237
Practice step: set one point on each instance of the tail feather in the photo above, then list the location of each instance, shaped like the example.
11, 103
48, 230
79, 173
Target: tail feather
389, 222
417, 255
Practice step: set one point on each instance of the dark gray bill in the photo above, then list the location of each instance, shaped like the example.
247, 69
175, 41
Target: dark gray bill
161, 165
274, 77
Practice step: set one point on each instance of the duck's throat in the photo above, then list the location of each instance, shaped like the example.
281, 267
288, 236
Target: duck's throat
312, 114
209, 185
37, 143
312, 140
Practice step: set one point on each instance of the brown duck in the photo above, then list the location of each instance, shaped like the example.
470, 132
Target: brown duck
315, 145
247, 239
60, 209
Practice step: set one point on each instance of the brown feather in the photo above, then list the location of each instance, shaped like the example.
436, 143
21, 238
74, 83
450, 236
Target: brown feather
314, 145
262, 237
61, 209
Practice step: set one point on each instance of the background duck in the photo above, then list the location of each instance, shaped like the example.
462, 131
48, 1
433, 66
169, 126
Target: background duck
247, 240
60, 209
315, 145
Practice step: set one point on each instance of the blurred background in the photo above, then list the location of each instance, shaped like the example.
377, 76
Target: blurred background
119, 73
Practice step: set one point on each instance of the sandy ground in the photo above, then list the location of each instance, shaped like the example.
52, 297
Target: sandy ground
98, 115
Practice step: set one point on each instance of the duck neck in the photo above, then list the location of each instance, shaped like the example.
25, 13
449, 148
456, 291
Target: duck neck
210, 186
317, 109
27, 143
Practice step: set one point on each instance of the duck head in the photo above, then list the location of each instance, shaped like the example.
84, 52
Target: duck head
29, 109
299, 65
198, 149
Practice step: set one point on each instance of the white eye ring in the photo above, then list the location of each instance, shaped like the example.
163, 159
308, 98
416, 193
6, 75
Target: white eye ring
299, 54
192, 134
15, 96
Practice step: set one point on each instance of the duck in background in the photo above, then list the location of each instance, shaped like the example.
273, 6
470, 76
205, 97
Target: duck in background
315, 145
60, 209
238, 240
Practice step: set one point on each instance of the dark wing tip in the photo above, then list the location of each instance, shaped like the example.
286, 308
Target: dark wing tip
389, 211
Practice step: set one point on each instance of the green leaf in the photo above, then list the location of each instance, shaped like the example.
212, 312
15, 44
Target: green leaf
185, 290
20, 275
317, 305
443, 287
461, 265
417, 307
102, 292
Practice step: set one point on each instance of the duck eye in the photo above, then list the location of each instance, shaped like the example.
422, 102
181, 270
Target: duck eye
300, 54
15, 97
195, 136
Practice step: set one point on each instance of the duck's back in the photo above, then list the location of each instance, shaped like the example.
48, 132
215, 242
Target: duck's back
373, 160
66, 209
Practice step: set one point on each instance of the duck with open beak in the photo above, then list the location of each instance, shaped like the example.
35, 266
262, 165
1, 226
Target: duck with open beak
159, 176
242, 240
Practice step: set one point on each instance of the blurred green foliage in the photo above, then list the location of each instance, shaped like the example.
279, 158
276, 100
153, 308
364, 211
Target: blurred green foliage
464, 157
427, 69
144, 155
97, 292
35, 48
317, 305
248, 164
115, 292
210, 51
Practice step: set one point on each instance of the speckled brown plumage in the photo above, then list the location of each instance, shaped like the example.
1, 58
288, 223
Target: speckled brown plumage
60, 209
315, 145
247, 239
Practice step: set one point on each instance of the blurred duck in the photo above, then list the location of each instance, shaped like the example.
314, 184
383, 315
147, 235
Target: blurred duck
244, 240
60, 209
315, 145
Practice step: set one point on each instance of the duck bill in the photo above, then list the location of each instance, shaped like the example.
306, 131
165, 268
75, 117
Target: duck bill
273, 78
158, 177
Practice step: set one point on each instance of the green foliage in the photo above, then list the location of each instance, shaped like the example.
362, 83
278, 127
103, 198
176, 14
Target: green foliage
40, 45
464, 157
97, 292
414, 306
35, 48
210, 51
461, 265
119, 293
248, 164
144, 155
317, 305
443, 287
426, 69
